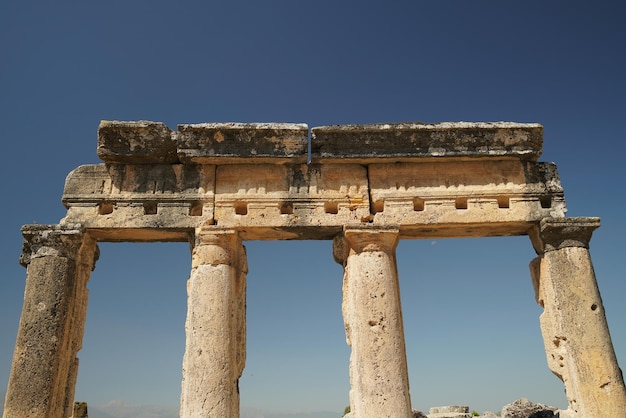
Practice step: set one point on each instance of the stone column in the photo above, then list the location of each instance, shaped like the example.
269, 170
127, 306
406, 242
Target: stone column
373, 321
575, 332
59, 260
215, 328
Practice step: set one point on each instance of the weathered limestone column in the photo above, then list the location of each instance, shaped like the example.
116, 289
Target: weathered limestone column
575, 332
59, 260
215, 328
373, 321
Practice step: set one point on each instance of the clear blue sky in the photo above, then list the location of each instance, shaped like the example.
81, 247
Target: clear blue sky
470, 318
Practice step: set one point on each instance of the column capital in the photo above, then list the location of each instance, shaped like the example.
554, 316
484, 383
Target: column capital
557, 233
213, 245
54, 240
214, 235
364, 238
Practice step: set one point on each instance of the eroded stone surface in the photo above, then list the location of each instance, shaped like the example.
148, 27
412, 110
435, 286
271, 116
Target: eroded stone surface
44, 368
576, 336
291, 198
140, 202
215, 185
453, 411
224, 143
80, 410
142, 142
412, 141
499, 194
523, 408
215, 327
373, 321
258, 183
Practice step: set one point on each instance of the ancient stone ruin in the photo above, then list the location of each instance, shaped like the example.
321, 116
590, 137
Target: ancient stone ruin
450, 412
365, 187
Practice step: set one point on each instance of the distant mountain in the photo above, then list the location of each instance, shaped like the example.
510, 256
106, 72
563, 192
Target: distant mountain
94, 412
121, 409
256, 413
321, 414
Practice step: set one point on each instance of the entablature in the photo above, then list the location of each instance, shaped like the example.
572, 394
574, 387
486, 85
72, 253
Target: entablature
451, 179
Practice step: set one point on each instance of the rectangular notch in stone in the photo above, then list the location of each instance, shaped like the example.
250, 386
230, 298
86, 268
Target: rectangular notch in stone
410, 141
241, 143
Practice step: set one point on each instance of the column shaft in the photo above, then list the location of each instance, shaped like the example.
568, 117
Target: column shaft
373, 321
576, 335
44, 367
87, 256
215, 327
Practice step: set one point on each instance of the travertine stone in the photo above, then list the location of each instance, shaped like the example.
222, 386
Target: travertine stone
450, 415
140, 201
227, 143
473, 191
500, 194
575, 332
523, 408
217, 184
454, 411
448, 409
43, 373
320, 198
373, 322
558, 233
87, 257
418, 141
80, 410
142, 142
215, 327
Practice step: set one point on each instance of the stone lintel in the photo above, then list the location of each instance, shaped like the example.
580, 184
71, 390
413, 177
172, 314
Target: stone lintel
141, 142
418, 141
312, 201
268, 233
100, 183
147, 229
41, 240
146, 142
231, 143
489, 192
275, 197
290, 196
141, 234
557, 233
465, 230
134, 196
